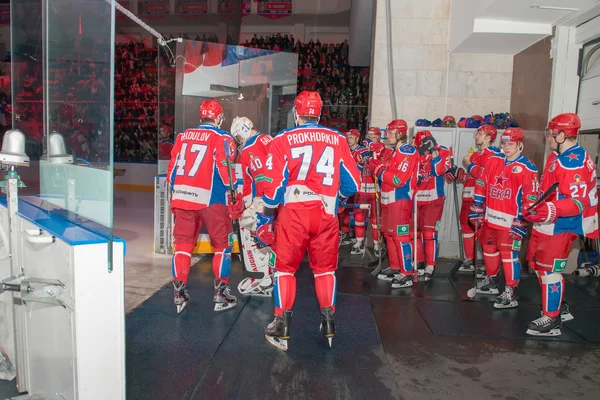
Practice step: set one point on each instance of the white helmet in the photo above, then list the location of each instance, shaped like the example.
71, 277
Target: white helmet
241, 126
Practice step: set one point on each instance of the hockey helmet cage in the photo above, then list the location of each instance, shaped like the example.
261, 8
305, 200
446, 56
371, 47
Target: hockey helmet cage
242, 126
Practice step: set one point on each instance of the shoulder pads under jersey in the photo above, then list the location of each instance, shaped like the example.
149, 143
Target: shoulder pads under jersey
407, 149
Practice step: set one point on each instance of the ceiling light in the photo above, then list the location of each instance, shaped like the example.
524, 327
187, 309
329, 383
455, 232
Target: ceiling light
554, 8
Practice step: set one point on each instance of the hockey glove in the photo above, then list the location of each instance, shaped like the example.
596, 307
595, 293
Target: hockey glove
545, 213
455, 174
379, 150
376, 167
235, 208
518, 230
476, 215
264, 229
429, 145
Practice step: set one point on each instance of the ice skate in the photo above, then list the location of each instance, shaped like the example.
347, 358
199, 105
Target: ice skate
181, 296
429, 270
327, 324
508, 298
545, 326
565, 312
489, 285
277, 332
347, 238
481, 271
358, 248
223, 298
467, 266
421, 268
377, 250
402, 281
388, 274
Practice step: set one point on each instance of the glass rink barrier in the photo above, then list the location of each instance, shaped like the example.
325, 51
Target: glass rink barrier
62, 296
247, 82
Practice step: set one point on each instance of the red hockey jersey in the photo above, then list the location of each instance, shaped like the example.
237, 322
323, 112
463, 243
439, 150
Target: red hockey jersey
197, 171
475, 169
252, 159
503, 188
367, 180
431, 172
576, 173
309, 166
399, 179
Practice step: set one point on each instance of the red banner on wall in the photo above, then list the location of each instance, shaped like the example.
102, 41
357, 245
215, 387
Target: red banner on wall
246, 7
118, 14
4, 14
274, 9
191, 7
153, 8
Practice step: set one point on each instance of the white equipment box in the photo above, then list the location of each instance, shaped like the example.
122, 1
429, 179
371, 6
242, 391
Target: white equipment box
62, 314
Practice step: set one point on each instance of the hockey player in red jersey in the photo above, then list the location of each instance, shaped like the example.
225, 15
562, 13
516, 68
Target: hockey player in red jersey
398, 177
507, 181
433, 164
198, 176
310, 166
252, 158
570, 211
353, 137
474, 164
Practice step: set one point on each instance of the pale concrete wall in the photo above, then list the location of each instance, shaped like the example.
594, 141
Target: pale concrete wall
429, 82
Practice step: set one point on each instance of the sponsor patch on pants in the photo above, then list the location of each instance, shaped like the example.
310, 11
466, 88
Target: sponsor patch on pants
272, 259
230, 240
516, 246
437, 226
402, 230
559, 265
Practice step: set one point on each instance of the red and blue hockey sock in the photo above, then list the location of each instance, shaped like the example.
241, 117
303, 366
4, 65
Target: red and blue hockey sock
181, 262
284, 291
552, 292
326, 286
222, 264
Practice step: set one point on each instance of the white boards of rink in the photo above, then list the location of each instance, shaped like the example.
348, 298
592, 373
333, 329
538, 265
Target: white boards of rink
462, 142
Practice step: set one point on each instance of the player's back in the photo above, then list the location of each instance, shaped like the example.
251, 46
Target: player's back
253, 159
311, 164
196, 171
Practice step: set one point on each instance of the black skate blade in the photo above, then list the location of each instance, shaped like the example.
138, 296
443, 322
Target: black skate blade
550, 333
281, 344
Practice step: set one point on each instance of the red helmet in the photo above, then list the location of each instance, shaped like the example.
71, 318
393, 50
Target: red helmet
569, 123
398, 124
489, 130
308, 104
419, 136
513, 135
211, 109
374, 131
353, 132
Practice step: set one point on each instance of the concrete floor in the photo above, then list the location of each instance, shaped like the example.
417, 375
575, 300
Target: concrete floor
145, 272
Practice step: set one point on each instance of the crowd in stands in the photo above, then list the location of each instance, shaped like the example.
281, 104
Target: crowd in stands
77, 86
325, 68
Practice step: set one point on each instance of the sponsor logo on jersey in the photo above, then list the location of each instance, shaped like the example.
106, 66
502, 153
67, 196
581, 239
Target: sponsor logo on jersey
516, 169
402, 230
552, 167
577, 177
396, 181
272, 259
297, 193
500, 194
559, 265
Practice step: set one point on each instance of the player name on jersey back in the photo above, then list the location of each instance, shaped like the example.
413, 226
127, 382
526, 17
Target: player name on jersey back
332, 138
196, 135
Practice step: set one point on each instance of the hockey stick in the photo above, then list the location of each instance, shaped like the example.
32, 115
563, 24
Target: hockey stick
236, 222
377, 270
544, 196
355, 206
415, 220
461, 241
